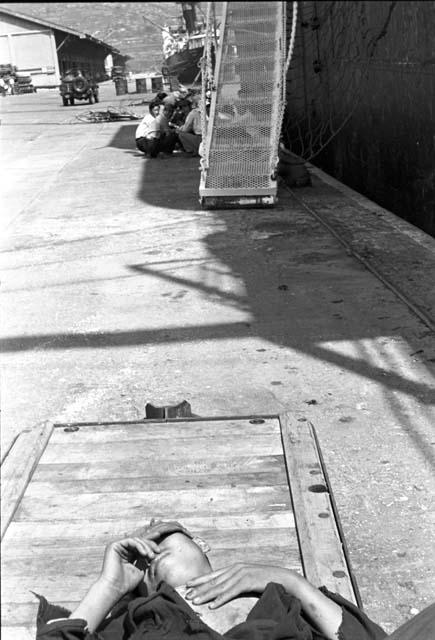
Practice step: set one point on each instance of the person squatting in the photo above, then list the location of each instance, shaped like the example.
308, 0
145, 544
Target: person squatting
173, 124
160, 585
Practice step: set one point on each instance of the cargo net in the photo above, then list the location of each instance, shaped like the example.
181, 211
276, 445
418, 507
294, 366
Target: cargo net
242, 134
334, 47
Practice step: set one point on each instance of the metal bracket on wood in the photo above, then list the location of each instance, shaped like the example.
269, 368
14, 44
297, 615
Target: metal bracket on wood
181, 410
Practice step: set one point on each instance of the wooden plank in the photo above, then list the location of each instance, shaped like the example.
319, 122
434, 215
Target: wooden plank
323, 558
19, 632
170, 483
164, 431
235, 538
65, 543
225, 481
100, 506
19, 614
26, 613
162, 468
155, 449
162, 421
88, 561
79, 572
49, 533
18, 466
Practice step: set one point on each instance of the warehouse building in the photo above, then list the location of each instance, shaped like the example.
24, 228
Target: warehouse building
44, 50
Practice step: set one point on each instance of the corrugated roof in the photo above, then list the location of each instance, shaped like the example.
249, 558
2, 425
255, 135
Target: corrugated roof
58, 27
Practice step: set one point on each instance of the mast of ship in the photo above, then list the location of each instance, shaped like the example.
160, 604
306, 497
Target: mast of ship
189, 15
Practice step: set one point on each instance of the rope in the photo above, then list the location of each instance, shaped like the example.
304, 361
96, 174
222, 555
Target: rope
207, 81
336, 45
111, 114
371, 53
285, 67
292, 38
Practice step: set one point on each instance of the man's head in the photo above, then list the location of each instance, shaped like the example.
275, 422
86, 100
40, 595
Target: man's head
154, 108
167, 111
184, 106
180, 559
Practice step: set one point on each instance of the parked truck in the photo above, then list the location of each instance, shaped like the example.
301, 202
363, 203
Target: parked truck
75, 86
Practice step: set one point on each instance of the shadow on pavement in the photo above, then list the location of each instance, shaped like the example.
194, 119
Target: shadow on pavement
124, 137
290, 296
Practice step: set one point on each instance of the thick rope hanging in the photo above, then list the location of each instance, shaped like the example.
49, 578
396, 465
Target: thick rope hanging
207, 79
292, 38
335, 56
285, 67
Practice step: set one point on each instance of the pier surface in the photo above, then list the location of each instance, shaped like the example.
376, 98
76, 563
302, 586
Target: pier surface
117, 290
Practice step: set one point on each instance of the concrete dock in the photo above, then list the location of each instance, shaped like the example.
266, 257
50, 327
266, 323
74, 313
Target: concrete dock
117, 290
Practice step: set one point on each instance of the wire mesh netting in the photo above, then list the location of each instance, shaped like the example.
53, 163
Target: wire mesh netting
245, 116
335, 46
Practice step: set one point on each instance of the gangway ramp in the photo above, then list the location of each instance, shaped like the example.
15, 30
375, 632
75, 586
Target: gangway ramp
255, 488
241, 145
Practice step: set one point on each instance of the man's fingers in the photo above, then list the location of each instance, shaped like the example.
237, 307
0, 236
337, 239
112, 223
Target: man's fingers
213, 588
224, 598
158, 528
146, 548
218, 587
162, 528
151, 547
129, 546
208, 577
218, 594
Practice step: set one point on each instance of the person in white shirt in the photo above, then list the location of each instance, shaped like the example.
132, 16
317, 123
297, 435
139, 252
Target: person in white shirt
148, 132
153, 135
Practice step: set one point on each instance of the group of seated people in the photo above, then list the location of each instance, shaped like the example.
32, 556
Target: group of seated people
173, 124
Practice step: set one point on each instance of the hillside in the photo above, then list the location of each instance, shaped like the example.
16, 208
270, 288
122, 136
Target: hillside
120, 24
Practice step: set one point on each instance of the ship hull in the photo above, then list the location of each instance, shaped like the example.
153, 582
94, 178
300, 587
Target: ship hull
184, 64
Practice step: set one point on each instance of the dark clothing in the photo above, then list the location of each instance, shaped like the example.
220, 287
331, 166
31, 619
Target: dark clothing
164, 615
178, 117
168, 137
149, 146
152, 146
168, 140
421, 627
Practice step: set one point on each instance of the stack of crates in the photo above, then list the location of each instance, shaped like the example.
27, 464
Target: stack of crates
23, 84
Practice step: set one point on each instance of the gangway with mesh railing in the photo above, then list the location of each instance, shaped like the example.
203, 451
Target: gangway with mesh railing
240, 145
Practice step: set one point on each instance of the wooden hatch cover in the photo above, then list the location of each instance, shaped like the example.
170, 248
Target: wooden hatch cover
255, 488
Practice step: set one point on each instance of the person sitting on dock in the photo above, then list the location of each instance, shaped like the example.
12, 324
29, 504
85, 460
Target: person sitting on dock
148, 133
160, 584
190, 133
168, 137
153, 134
179, 114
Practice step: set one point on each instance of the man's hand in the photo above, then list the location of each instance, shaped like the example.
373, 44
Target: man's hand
225, 584
119, 572
160, 528
118, 577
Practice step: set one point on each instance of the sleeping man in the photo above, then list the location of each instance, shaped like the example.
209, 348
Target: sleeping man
159, 584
